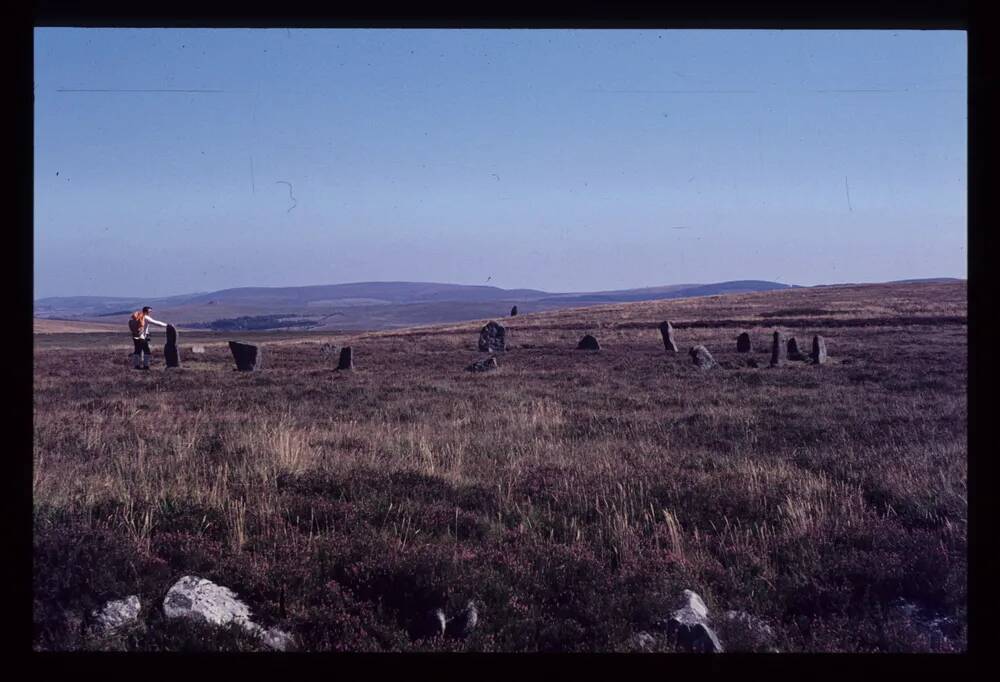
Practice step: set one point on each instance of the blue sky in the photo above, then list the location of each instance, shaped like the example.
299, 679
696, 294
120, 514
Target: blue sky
559, 160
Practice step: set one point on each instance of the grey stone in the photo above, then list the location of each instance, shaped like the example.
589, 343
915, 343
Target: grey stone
346, 361
486, 365
743, 343
492, 338
778, 350
643, 641
198, 350
170, 353
513, 311
328, 349
461, 626
198, 598
667, 332
702, 358
793, 350
117, 614
247, 356
819, 350
201, 599
688, 626
588, 342
436, 623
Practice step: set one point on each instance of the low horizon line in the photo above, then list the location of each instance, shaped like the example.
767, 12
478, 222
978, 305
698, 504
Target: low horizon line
589, 291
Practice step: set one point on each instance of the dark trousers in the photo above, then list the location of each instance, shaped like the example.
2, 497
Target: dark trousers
141, 345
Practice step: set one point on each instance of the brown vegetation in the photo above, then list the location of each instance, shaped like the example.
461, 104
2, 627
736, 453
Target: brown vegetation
571, 494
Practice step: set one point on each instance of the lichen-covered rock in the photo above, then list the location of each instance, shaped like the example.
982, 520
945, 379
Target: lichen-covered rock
462, 625
198, 598
117, 614
201, 599
492, 338
746, 632
702, 358
642, 641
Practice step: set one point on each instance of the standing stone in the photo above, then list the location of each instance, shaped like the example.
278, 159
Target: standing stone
462, 625
702, 358
492, 338
689, 627
170, 354
819, 350
247, 356
513, 311
743, 343
486, 365
667, 331
346, 358
793, 350
198, 350
588, 342
778, 350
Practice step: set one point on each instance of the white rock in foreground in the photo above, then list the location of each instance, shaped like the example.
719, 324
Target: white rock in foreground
198, 598
116, 614
689, 625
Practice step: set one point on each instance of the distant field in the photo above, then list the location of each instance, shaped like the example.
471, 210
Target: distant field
72, 327
572, 494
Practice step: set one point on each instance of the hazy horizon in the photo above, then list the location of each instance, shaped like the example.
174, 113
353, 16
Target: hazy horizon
173, 161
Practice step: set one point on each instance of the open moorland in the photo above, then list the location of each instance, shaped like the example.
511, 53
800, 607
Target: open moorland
571, 494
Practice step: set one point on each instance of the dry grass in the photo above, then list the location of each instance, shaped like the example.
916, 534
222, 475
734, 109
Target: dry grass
571, 493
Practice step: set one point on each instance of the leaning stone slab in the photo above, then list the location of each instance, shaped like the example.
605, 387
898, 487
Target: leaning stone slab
743, 343
170, 352
667, 332
117, 614
588, 342
702, 358
778, 350
487, 365
819, 350
247, 356
492, 338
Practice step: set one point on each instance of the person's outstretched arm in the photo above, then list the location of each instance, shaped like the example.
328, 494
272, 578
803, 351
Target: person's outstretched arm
151, 320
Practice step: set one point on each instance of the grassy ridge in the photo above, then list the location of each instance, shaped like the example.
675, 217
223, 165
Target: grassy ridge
571, 494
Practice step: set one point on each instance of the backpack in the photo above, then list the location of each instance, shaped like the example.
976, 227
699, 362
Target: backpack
135, 323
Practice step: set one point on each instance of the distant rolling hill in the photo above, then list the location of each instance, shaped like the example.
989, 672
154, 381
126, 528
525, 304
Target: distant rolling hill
360, 305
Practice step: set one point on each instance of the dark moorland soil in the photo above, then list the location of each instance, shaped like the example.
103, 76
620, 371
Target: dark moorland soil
572, 494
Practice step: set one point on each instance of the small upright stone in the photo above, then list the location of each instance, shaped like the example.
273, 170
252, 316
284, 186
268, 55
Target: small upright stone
689, 627
588, 342
170, 354
247, 356
461, 626
743, 343
667, 331
513, 311
793, 350
819, 350
702, 358
778, 350
198, 350
492, 338
346, 358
